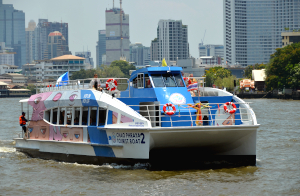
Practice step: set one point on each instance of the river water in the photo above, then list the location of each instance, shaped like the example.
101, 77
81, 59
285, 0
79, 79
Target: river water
277, 171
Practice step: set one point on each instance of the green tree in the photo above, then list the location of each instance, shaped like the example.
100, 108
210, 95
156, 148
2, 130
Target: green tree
295, 74
282, 70
249, 68
32, 88
83, 74
214, 73
124, 66
111, 71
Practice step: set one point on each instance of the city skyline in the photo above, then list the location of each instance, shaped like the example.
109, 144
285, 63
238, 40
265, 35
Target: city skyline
83, 27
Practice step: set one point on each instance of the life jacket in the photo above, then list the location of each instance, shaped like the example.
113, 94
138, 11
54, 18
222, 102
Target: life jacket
22, 120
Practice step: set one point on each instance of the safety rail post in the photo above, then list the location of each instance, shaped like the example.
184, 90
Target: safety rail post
148, 113
191, 116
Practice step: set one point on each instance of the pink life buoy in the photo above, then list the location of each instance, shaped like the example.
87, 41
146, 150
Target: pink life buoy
230, 111
169, 112
111, 84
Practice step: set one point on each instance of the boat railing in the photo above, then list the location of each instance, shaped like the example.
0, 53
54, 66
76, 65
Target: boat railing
80, 84
189, 113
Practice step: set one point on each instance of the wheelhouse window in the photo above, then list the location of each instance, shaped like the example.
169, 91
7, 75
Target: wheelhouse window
147, 81
140, 80
178, 79
167, 80
157, 80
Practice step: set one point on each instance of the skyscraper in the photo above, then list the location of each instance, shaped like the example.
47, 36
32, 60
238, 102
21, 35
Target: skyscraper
30, 42
56, 46
88, 59
139, 54
12, 31
101, 47
172, 41
117, 43
252, 28
43, 29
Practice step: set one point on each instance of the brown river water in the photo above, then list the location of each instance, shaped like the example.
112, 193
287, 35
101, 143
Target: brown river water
277, 171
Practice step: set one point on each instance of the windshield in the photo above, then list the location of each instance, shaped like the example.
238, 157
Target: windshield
178, 79
157, 80
167, 80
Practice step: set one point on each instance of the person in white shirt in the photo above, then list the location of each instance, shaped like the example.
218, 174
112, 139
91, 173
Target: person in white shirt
96, 83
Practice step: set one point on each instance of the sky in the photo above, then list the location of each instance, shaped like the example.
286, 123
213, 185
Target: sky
86, 17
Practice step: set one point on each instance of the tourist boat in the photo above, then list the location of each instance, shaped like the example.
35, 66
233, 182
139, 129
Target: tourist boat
157, 116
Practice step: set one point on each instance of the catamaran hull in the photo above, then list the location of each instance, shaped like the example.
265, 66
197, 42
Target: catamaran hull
164, 148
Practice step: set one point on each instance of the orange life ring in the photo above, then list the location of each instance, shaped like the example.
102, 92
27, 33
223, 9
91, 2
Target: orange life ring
111, 84
230, 111
187, 79
169, 112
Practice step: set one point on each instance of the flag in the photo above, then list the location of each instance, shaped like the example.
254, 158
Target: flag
62, 78
192, 87
164, 63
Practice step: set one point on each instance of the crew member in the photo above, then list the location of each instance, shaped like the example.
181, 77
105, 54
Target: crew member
23, 121
96, 83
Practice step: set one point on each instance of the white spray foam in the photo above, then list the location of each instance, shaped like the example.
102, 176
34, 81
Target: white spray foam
7, 150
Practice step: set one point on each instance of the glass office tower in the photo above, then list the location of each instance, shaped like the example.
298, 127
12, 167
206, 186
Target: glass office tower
12, 31
252, 28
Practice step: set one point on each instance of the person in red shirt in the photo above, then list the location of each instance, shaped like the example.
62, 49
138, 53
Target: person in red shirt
22, 121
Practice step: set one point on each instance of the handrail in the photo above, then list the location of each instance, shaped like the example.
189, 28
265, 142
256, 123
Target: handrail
80, 84
186, 111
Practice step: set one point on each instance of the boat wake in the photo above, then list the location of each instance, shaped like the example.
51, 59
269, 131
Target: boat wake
7, 150
111, 166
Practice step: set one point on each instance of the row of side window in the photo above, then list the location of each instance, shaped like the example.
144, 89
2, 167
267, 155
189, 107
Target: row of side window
87, 116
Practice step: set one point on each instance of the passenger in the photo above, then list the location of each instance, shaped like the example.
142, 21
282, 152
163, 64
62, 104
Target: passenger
192, 79
96, 83
101, 121
83, 121
76, 121
205, 121
91, 122
193, 92
62, 118
22, 121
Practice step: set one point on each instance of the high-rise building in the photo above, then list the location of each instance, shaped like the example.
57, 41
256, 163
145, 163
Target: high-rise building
88, 57
172, 41
30, 42
101, 47
117, 43
6, 55
56, 46
139, 54
12, 31
252, 28
289, 38
211, 50
43, 29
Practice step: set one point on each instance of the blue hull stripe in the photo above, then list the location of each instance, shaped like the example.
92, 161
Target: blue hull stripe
104, 151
